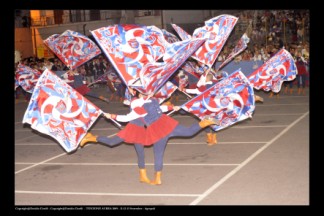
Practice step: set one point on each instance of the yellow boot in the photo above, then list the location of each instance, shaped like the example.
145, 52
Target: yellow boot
259, 99
299, 91
270, 96
89, 137
157, 180
291, 91
143, 176
168, 103
209, 138
208, 121
214, 140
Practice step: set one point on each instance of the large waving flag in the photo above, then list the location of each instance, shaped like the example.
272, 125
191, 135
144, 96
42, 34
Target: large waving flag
270, 76
182, 33
56, 109
72, 48
230, 100
240, 46
26, 77
130, 47
154, 75
216, 31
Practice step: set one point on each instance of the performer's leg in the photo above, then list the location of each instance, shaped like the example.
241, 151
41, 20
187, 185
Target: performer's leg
110, 141
141, 163
159, 148
303, 84
89, 137
140, 155
182, 131
211, 136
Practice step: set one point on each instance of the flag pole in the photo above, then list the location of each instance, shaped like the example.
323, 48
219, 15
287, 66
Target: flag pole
92, 83
171, 112
185, 94
119, 125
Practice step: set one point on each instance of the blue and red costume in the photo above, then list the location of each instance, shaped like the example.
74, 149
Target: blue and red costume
148, 126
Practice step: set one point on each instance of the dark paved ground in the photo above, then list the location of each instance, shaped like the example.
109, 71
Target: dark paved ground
263, 161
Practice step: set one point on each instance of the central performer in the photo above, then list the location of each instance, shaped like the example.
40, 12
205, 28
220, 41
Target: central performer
148, 126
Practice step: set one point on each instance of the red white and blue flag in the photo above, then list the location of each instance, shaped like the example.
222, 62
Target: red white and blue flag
57, 110
270, 76
154, 75
216, 31
26, 77
130, 47
72, 48
240, 46
230, 100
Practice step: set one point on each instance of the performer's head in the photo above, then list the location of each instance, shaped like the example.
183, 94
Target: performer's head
209, 77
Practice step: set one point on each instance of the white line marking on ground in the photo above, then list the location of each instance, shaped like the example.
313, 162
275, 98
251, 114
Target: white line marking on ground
42, 162
25, 138
124, 164
230, 174
107, 194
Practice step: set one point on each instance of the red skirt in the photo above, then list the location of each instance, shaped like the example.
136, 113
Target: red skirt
159, 129
83, 89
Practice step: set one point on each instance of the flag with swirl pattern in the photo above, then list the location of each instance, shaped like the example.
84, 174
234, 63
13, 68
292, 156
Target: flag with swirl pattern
56, 109
154, 75
270, 76
130, 47
72, 48
26, 77
240, 46
230, 100
216, 31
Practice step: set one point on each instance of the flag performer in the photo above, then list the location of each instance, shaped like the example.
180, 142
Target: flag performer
148, 126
